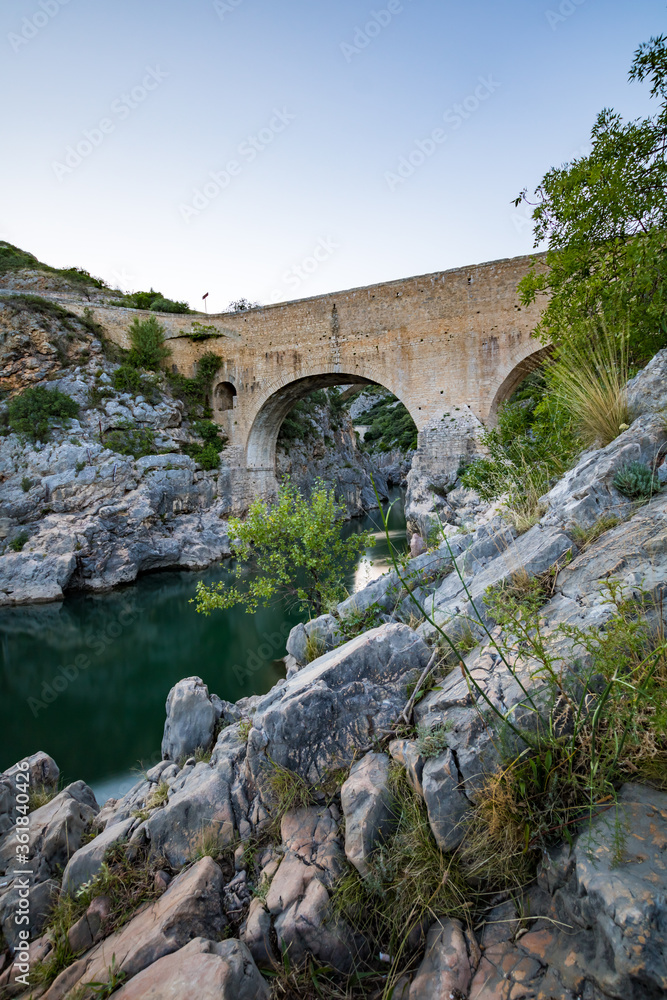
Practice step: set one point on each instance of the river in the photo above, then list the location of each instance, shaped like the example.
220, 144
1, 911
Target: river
86, 679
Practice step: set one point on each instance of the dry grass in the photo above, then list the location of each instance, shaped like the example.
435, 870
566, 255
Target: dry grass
315, 647
586, 536
591, 383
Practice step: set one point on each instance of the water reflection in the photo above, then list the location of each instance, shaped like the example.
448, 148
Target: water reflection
86, 680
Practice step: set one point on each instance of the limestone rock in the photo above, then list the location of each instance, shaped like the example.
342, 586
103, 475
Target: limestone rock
336, 703
205, 970
41, 900
87, 861
191, 907
191, 719
367, 807
445, 969
298, 900
55, 830
445, 800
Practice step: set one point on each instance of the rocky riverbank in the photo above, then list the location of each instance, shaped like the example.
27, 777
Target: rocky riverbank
113, 492
274, 823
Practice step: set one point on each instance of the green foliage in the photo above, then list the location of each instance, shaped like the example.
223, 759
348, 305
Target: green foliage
431, 741
17, 544
31, 413
586, 536
636, 481
115, 978
299, 423
128, 439
287, 790
14, 259
148, 346
206, 454
26, 484
195, 392
357, 621
533, 443
409, 880
126, 378
391, 426
294, 549
155, 301
604, 218
202, 331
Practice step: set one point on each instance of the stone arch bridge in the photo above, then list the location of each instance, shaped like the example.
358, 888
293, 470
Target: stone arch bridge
450, 345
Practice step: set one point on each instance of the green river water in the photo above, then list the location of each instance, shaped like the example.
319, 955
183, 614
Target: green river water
86, 680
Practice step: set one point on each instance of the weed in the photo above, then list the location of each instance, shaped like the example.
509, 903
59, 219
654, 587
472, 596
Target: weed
16, 544
357, 621
209, 843
431, 741
32, 412
79, 467
245, 725
116, 977
590, 379
202, 331
26, 484
126, 378
636, 481
39, 795
315, 646
159, 796
409, 880
287, 790
586, 536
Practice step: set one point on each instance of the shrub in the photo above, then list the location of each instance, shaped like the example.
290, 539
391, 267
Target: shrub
207, 454
195, 392
32, 412
26, 484
590, 379
128, 439
160, 304
391, 426
127, 379
636, 481
148, 347
355, 621
17, 543
532, 444
154, 301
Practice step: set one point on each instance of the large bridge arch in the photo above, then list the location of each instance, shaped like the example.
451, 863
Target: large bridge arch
265, 428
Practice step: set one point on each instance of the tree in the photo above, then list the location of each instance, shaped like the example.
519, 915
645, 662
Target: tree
604, 219
293, 549
148, 347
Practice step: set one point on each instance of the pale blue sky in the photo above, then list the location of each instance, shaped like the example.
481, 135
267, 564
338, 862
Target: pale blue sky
315, 105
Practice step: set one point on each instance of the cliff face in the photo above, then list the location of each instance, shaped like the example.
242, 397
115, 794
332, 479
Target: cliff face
319, 442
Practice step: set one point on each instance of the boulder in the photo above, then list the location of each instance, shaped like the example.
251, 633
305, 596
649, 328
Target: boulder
335, 704
41, 899
207, 970
191, 719
367, 807
445, 799
298, 901
445, 969
56, 830
87, 861
191, 907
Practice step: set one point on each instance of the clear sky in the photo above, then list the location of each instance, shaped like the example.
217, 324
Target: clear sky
279, 150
